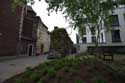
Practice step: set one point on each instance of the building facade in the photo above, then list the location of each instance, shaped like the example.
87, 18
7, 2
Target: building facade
28, 32
61, 42
114, 39
43, 38
17, 30
9, 27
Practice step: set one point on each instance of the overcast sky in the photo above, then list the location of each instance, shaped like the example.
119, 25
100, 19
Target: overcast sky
52, 20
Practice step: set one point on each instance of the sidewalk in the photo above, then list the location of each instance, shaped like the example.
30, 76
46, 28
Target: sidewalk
6, 58
12, 67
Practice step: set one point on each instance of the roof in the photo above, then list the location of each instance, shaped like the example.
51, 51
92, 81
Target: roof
29, 8
39, 19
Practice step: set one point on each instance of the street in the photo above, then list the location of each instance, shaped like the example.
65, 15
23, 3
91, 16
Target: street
12, 67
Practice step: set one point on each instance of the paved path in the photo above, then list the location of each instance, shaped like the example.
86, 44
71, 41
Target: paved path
12, 67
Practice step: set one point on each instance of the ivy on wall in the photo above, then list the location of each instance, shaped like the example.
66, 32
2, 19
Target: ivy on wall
60, 41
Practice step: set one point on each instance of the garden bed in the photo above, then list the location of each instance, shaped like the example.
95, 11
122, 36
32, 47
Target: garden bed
68, 71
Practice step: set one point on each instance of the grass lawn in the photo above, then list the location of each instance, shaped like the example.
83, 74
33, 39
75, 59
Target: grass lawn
68, 70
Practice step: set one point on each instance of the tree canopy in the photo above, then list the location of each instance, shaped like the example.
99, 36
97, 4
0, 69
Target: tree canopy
81, 13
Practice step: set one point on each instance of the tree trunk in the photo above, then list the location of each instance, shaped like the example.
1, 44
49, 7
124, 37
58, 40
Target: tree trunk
96, 49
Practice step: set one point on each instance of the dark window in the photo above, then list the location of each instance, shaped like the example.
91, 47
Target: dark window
77, 38
84, 40
93, 39
27, 27
102, 38
93, 30
115, 5
116, 36
114, 20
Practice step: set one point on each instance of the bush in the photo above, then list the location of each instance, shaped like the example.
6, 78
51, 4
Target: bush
28, 71
51, 72
40, 81
19, 81
79, 81
35, 77
99, 80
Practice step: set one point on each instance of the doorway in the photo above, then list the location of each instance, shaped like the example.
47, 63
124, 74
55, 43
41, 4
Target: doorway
41, 48
30, 50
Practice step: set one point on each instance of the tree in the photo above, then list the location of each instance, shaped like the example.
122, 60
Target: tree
84, 13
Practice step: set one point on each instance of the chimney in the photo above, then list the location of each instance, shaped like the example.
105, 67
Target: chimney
55, 27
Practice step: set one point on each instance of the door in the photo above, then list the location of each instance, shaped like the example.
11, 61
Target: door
42, 49
30, 50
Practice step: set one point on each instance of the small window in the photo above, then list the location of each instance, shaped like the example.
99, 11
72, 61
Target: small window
84, 40
114, 20
77, 38
102, 37
116, 36
93, 31
93, 39
116, 5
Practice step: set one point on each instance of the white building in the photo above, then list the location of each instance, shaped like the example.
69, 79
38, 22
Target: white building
43, 38
112, 39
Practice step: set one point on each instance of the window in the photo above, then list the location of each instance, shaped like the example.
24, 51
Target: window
116, 5
93, 39
84, 40
116, 36
114, 20
102, 38
77, 38
93, 31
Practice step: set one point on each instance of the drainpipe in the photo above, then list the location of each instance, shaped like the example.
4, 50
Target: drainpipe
19, 46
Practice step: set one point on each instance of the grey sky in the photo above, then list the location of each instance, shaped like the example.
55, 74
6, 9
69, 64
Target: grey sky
52, 20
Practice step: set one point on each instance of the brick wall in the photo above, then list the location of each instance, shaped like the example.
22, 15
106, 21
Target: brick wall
9, 26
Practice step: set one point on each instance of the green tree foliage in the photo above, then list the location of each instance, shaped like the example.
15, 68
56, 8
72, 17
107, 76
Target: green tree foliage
83, 13
80, 13
60, 41
17, 3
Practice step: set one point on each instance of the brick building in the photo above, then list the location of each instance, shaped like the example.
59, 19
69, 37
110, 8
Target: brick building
17, 30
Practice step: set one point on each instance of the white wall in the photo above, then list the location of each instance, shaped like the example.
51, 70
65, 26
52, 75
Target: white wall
107, 35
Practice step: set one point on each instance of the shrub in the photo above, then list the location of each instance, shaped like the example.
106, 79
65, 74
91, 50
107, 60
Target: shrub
51, 72
28, 71
40, 81
35, 77
19, 81
79, 81
99, 80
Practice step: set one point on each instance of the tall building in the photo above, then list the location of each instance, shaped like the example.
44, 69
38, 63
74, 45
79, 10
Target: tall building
114, 39
17, 30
